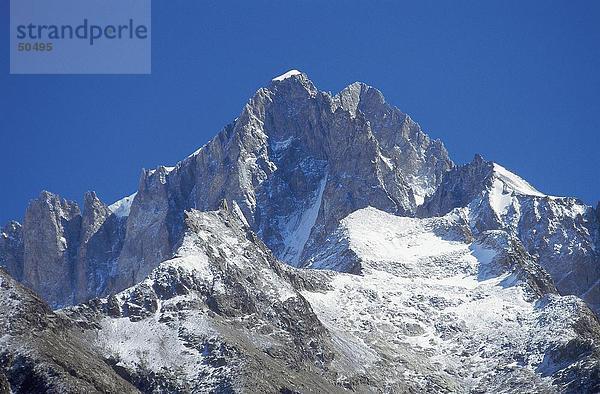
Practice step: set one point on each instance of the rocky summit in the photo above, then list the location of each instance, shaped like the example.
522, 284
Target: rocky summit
318, 243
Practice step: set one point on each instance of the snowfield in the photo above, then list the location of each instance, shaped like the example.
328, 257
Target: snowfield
430, 304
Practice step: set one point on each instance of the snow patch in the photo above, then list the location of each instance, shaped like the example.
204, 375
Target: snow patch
514, 182
500, 198
279, 146
287, 75
122, 207
483, 254
420, 289
388, 162
299, 228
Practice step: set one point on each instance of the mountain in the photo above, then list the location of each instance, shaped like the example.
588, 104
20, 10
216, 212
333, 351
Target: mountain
318, 243
284, 161
562, 233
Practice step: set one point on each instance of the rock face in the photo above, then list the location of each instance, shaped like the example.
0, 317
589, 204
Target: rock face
561, 232
296, 161
102, 234
11, 249
63, 254
42, 352
51, 232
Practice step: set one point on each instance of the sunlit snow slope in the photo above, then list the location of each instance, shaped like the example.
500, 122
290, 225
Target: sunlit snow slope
433, 300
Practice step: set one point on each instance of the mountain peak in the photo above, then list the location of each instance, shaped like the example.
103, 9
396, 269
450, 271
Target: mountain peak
359, 95
514, 182
478, 159
287, 75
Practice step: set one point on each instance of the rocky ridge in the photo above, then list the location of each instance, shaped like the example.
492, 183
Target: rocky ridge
560, 232
43, 352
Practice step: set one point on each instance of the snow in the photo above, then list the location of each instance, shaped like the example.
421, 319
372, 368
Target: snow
279, 146
422, 300
388, 162
387, 241
287, 75
161, 348
122, 207
483, 254
506, 187
167, 170
419, 200
500, 198
515, 183
299, 227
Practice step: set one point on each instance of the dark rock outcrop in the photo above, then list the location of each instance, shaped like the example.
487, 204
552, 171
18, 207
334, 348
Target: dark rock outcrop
11, 249
67, 255
43, 352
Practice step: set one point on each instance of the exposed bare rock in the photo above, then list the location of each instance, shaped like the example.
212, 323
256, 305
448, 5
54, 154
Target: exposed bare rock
68, 256
43, 352
296, 161
101, 240
51, 232
11, 249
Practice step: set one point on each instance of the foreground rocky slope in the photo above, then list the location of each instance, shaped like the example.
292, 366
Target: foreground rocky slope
435, 308
451, 311
43, 352
222, 315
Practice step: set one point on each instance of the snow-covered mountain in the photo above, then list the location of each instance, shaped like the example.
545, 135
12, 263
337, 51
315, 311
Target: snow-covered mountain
439, 309
405, 273
562, 233
435, 309
296, 161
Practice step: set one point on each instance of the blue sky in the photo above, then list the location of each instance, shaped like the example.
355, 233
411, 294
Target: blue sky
518, 82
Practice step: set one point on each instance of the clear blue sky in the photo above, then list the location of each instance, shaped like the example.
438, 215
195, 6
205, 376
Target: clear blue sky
518, 82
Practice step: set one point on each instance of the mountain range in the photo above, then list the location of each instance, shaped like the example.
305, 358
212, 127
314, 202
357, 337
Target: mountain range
318, 243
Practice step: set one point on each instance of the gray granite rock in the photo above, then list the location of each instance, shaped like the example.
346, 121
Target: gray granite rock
295, 162
63, 254
11, 249
51, 234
